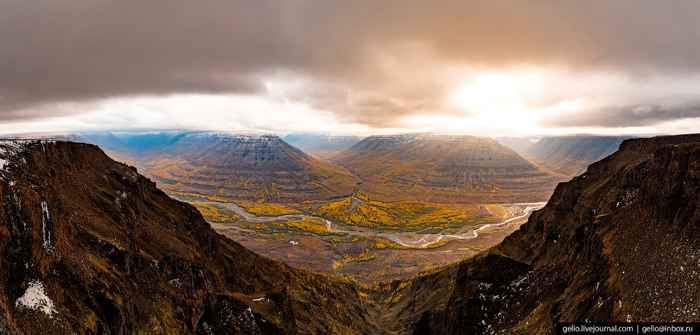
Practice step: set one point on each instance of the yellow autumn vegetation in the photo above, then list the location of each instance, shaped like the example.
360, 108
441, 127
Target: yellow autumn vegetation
299, 227
190, 197
384, 244
310, 226
346, 239
268, 192
215, 213
363, 257
402, 215
267, 209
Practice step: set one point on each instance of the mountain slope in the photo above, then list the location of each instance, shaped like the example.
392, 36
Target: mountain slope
445, 169
89, 246
617, 243
570, 155
321, 145
238, 166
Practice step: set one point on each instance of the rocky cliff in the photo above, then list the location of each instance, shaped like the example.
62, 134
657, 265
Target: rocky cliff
617, 243
88, 246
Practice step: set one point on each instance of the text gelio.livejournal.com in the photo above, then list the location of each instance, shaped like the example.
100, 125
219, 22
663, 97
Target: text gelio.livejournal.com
628, 328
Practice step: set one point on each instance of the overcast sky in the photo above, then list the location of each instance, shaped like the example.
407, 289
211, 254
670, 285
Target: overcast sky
496, 67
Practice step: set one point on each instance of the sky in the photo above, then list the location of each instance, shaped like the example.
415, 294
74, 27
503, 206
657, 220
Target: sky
495, 68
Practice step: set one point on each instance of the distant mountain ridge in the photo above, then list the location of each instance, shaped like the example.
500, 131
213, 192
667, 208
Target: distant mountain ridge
570, 155
436, 168
445, 168
140, 142
321, 145
263, 167
231, 165
245, 166
519, 144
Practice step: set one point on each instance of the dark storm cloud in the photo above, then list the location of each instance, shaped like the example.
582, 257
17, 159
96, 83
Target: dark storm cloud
53, 51
623, 116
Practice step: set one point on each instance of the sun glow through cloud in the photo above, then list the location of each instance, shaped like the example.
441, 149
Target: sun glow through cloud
495, 92
515, 101
471, 67
505, 100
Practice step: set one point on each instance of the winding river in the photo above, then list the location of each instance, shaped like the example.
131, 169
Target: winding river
517, 214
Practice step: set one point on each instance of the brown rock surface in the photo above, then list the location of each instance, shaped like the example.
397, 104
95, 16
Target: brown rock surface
617, 243
112, 254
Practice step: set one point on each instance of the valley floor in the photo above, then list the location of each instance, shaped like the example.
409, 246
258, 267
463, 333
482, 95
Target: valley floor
367, 254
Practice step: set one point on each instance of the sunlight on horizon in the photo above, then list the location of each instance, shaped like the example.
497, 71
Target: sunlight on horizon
512, 100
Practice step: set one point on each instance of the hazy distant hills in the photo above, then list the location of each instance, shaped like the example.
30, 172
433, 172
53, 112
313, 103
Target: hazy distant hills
321, 145
519, 144
443, 168
570, 155
142, 142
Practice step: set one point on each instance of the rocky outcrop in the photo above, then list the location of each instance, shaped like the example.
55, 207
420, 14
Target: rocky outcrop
88, 246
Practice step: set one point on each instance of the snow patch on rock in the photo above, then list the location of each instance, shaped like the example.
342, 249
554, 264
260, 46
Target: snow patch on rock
248, 319
35, 298
9, 148
175, 282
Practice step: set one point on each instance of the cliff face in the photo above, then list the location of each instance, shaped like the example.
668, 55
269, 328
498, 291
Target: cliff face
616, 243
445, 169
89, 246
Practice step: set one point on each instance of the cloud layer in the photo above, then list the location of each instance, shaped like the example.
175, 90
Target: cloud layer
368, 63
